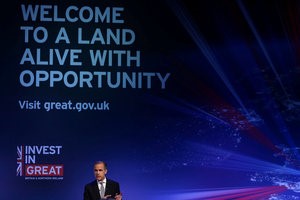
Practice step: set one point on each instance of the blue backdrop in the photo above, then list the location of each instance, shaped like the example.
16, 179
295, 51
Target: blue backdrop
202, 102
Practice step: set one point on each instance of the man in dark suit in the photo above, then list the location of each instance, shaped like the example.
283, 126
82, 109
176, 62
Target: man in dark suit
101, 188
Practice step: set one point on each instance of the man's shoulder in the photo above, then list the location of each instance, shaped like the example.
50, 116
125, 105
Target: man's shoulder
110, 181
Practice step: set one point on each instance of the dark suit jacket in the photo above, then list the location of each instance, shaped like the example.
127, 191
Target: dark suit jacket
91, 190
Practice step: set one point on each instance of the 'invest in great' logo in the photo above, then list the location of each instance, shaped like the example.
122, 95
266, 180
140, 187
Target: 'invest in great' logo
38, 162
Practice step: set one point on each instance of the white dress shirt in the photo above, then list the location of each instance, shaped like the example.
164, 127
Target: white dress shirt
103, 183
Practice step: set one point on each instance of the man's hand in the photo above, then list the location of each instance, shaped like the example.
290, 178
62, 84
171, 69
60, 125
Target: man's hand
118, 196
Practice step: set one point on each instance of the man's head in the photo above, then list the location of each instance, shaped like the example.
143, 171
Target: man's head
100, 170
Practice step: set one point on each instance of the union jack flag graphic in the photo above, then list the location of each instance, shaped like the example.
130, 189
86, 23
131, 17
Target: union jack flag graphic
20, 157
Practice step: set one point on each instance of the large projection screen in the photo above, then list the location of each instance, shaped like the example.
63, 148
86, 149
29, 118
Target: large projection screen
184, 100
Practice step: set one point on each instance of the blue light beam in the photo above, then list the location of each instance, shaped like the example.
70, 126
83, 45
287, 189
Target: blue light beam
190, 27
222, 159
262, 46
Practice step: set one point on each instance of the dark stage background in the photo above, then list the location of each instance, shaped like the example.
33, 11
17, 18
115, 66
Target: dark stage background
214, 112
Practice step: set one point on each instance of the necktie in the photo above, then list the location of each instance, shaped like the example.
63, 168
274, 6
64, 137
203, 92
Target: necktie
101, 190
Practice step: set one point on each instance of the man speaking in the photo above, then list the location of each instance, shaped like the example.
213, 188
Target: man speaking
102, 188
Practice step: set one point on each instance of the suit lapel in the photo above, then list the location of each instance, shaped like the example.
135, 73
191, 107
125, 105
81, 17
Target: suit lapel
96, 190
108, 187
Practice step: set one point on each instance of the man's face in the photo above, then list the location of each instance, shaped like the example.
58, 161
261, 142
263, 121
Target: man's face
100, 171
